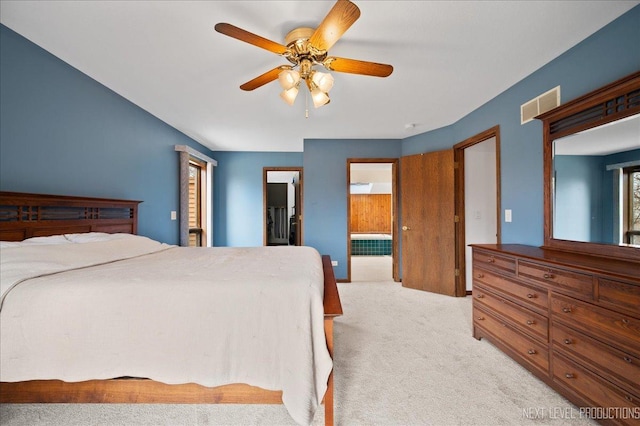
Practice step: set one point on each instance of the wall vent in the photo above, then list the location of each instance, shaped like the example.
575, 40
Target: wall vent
541, 104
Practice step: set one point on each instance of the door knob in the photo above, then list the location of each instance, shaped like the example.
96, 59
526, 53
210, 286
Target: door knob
405, 228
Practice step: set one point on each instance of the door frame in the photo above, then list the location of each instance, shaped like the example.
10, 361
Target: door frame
394, 212
299, 202
458, 158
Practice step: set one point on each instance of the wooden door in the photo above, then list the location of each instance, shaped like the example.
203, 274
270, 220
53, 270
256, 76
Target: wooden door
428, 227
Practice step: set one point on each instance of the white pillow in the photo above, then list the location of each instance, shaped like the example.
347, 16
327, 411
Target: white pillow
53, 239
94, 237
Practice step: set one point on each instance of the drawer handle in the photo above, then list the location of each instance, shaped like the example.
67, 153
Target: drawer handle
491, 260
531, 296
548, 276
530, 322
531, 352
625, 321
480, 275
566, 310
628, 398
567, 341
627, 359
480, 318
569, 375
480, 296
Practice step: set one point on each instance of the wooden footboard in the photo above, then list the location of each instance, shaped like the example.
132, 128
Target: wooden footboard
133, 390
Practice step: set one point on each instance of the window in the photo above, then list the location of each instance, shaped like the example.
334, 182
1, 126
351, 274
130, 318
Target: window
631, 178
197, 175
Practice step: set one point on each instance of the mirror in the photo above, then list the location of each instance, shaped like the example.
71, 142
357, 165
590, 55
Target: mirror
596, 184
592, 172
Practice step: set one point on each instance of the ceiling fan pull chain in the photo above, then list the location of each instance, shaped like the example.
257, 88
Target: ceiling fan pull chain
306, 104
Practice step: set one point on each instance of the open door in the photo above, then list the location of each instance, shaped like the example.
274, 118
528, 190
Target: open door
282, 190
428, 222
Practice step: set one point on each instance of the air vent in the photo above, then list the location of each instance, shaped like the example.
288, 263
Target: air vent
536, 106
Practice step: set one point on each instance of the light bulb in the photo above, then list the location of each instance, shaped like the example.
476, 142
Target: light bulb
323, 80
288, 79
289, 96
319, 97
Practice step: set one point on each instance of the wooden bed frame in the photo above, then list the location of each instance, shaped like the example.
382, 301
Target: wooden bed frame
29, 215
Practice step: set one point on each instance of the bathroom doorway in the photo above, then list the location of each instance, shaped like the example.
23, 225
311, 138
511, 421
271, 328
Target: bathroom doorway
371, 220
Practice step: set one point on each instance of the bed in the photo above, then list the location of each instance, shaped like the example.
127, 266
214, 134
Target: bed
81, 227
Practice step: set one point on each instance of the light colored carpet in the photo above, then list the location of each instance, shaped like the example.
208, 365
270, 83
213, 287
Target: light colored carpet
403, 357
371, 268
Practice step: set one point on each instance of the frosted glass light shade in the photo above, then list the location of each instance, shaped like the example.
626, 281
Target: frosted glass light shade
323, 80
289, 96
288, 79
319, 98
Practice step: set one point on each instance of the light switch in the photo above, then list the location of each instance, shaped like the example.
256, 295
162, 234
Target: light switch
174, 215
507, 215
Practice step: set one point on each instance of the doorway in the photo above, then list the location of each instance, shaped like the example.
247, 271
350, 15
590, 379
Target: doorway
477, 199
372, 248
282, 206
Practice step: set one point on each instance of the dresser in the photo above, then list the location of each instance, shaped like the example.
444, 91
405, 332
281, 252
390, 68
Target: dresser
573, 320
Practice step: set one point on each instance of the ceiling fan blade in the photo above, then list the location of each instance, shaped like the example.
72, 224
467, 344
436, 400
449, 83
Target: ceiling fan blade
247, 37
263, 79
335, 24
354, 66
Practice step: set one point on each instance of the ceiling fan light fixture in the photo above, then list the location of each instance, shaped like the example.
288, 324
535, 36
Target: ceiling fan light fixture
289, 95
289, 79
319, 97
322, 80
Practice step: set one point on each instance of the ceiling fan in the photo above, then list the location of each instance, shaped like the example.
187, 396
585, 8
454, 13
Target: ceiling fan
306, 48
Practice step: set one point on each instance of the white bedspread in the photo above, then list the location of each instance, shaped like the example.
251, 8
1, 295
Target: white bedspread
135, 307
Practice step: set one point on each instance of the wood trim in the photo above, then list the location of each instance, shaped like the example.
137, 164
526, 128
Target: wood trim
299, 208
618, 88
394, 213
493, 132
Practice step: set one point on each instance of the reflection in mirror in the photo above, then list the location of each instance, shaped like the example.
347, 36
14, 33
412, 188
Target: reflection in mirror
596, 184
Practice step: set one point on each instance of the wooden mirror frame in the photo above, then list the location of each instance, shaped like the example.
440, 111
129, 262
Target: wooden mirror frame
612, 102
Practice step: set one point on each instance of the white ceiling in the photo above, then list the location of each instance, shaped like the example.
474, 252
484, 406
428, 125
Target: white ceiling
449, 58
618, 136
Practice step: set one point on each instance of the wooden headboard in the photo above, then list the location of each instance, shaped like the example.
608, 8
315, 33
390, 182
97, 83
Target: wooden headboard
36, 215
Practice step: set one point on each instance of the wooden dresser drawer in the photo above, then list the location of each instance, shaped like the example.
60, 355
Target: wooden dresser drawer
528, 349
617, 329
528, 295
497, 262
615, 365
618, 294
594, 389
556, 278
522, 318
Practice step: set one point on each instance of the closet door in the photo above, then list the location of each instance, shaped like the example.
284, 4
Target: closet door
428, 227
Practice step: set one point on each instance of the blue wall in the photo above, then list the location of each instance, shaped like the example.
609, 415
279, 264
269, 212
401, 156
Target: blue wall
64, 133
238, 203
325, 191
607, 55
585, 206
578, 211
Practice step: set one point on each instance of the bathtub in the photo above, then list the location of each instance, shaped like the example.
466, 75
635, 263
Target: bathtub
371, 244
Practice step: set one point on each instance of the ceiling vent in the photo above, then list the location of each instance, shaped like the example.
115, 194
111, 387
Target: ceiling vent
536, 106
